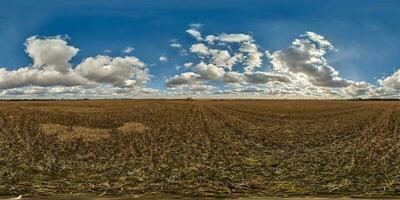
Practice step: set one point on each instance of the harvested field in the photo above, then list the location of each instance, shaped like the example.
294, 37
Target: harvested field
200, 147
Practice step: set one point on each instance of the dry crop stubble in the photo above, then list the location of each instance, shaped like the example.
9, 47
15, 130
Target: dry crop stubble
200, 147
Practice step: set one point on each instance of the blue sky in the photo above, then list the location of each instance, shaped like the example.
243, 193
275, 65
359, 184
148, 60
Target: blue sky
364, 32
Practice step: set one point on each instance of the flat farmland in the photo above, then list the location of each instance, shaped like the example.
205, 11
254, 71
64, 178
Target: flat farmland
200, 148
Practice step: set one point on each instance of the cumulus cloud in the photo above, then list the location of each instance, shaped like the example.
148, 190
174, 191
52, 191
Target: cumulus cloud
235, 60
254, 57
301, 70
232, 61
358, 89
50, 53
218, 61
52, 70
78, 92
200, 48
388, 86
209, 71
248, 51
265, 77
306, 57
40, 77
392, 81
187, 78
201, 88
222, 58
233, 77
116, 71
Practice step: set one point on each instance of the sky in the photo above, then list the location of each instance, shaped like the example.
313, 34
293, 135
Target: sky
196, 48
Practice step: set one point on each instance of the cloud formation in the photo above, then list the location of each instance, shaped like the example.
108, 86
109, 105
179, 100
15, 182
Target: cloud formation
187, 78
51, 53
221, 62
235, 62
392, 81
222, 65
51, 68
119, 71
306, 57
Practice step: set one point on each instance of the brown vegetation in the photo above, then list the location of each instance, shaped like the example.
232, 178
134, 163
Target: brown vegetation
132, 127
75, 132
200, 147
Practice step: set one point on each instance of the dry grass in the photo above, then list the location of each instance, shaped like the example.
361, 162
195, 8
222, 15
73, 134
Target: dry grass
200, 147
75, 132
89, 134
132, 127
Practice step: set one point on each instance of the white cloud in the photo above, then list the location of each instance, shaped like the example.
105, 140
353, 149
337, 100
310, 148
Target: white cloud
51, 53
196, 25
357, 89
222, 58
229, 38
128, 49
201, 88
116, 71
176, 45
199, 48
319, 39
251, 89
187, 78
163, 58
254, 57
209, 71
265, 77
300, 70
189, 64
210, 39
306, 57
233, 77
217, 62
40, 77
78, 92
195, 33
392, 81
233, 60
51, 70
233, 38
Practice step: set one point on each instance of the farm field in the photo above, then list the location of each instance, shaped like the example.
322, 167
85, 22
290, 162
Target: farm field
216, 148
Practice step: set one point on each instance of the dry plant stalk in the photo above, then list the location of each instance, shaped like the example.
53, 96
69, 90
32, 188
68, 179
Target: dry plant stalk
200, 147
